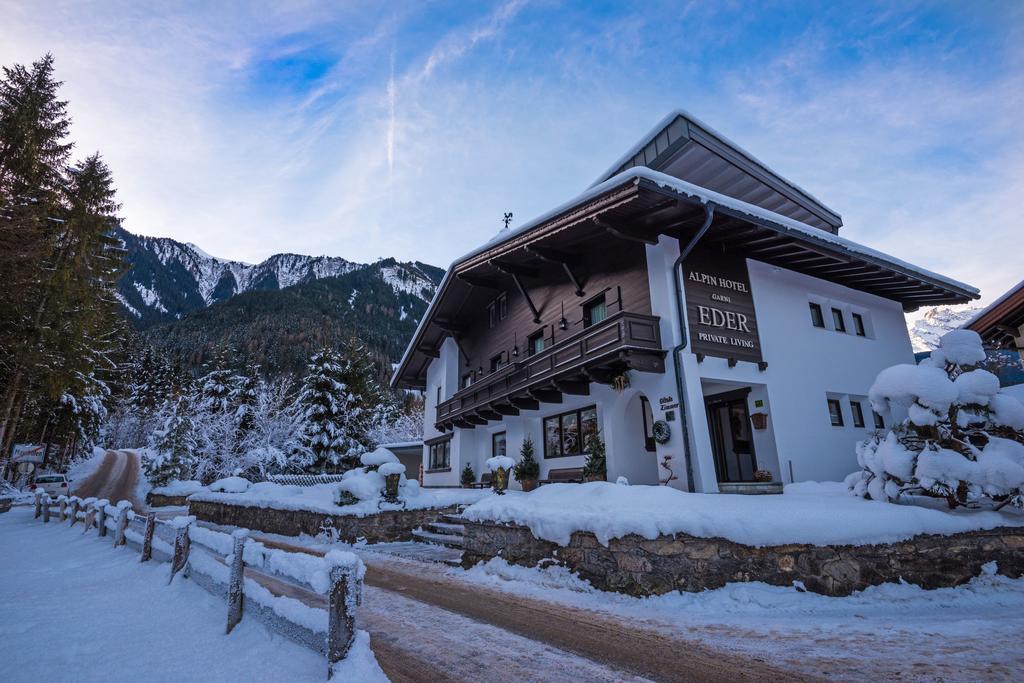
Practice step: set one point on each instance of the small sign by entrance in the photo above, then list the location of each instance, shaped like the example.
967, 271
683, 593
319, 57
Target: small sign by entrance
720, 306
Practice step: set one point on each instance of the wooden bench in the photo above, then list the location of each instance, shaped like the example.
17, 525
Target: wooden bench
485, 481
567, 475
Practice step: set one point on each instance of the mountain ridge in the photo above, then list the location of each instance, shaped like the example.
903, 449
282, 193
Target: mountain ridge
167, 279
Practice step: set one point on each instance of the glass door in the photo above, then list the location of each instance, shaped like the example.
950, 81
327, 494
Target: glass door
731, 437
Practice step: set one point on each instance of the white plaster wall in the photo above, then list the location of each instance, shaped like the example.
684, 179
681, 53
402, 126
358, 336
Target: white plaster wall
805, 365
442, 372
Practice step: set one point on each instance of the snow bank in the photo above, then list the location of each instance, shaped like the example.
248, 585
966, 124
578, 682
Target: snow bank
811, 512
179, 488
321, 498
231, 485
81, 470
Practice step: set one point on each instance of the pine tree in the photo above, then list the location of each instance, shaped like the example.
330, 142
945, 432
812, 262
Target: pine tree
332, 412
527, 467
595, 467
171, 453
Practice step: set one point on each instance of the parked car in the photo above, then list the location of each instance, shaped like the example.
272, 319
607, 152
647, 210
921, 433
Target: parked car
54, 484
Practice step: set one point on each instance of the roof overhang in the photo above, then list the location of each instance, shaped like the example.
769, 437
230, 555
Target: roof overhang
640, 204
999, 324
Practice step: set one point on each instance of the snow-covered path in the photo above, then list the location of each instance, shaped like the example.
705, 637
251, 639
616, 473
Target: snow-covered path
115, 479
73, 608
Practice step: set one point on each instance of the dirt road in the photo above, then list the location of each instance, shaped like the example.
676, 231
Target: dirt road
429, 626
114, 479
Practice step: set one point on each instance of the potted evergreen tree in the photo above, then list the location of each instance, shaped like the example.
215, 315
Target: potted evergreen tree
595, 469
468, 477
527, 469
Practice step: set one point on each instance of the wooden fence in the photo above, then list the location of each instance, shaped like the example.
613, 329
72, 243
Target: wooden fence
306, 598
305, 479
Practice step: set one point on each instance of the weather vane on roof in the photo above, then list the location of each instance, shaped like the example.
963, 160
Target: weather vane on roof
507, 218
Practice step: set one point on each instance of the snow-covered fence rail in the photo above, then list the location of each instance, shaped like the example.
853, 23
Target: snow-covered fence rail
304, 479
306, 598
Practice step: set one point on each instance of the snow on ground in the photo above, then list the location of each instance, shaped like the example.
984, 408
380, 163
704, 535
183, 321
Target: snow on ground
967, 633
809, 512
179, 488
76, 609
320, 498
84, 468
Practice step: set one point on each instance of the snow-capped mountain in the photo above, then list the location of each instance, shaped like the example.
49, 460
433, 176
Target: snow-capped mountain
167, 279
925, 332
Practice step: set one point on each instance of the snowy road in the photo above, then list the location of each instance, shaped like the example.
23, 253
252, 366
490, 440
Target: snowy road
115, 479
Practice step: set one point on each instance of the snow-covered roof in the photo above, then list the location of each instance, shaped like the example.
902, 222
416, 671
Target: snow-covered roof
402, 444
664, 125
639, 174
992, 306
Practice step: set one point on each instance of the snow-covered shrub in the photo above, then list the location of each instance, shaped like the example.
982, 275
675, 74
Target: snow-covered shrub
378, 457
367, 484
962, 439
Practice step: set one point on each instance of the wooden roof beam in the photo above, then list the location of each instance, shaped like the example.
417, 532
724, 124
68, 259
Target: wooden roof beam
562, 259
644, 238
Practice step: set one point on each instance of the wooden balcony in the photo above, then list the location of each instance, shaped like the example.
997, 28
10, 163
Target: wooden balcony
624, 341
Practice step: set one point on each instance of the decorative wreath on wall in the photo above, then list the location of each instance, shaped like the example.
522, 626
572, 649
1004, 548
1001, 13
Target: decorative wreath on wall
662, 432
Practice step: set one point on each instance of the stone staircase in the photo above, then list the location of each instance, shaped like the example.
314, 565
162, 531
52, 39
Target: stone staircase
447, 532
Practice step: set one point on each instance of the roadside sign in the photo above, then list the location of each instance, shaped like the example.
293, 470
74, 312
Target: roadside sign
28, 452
25, 467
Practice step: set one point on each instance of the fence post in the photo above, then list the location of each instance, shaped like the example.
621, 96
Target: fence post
341, 614
39, 503
147, 539
182, 544
62, 502
236, 593
102, 517
46, 507
124, 508
75, 505
90, 517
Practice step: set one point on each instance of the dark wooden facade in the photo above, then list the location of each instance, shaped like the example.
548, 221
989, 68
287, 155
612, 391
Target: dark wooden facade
615, 269
547, 296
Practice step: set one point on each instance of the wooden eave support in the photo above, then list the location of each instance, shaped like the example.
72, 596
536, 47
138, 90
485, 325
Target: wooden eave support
643, 238
525, 402
489, 414
477, 281
546, 395
572, 387
504, 408
562, 259
463, 424
475, 419
428, 350
514, 269
600, 375
526, 296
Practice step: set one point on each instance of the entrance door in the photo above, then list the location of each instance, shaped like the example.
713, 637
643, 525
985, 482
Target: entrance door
731, 436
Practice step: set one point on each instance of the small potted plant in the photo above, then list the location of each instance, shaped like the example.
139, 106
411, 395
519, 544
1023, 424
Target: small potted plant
595, 469
527, 470
468, 477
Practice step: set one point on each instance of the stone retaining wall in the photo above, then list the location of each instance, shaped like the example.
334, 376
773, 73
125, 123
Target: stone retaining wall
161, 500
387, 525
638, 566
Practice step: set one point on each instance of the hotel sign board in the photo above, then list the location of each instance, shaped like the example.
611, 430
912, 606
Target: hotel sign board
720, 306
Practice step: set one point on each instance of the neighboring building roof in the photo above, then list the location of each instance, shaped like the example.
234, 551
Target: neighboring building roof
997, 321
683, 146
401, 445
947, 289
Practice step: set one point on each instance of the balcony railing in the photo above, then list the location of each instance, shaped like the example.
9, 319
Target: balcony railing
624, 339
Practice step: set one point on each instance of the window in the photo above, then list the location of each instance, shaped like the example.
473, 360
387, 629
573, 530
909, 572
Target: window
858, 414
817, 318
467, 379
535, 344
498, 444
568, 433
645, 407
838, 321
437, 402
879, 422
440, 455
497, 310
835, 412
858, 325
495, 362
594, 311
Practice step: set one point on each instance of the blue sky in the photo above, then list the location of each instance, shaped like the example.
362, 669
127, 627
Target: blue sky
407, 129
